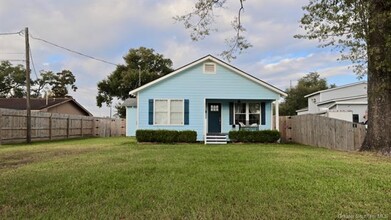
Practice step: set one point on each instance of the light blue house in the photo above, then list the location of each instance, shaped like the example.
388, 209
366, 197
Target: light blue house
208, 96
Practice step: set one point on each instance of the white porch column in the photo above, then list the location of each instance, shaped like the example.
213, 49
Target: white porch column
271, 116
277, 116
205, 121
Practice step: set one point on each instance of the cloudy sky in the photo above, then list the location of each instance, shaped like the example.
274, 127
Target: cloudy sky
108, 29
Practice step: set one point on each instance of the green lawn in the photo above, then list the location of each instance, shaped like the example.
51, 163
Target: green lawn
118, 178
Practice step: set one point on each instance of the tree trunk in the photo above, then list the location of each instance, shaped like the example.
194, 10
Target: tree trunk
378, 136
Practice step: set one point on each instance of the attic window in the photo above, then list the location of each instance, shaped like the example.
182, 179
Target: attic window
209, 68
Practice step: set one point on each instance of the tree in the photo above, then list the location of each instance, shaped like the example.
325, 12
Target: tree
60, 82
141, 62
362, 31
12, 80
42, 83
201, 20
295, 100
54, 83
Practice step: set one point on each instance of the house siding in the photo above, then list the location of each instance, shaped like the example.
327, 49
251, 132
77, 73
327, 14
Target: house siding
344, 92
131, 121
196, 86
356, 109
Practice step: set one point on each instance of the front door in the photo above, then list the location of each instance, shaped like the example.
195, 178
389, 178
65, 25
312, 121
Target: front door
214, 118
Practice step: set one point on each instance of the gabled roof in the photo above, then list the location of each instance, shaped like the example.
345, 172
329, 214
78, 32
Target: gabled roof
348, 103
336, 88
130, 102
342, 99
38, 103
302, 110
218, 61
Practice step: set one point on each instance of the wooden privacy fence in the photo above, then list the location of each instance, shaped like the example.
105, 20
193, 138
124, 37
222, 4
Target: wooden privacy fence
52, 126
321, 131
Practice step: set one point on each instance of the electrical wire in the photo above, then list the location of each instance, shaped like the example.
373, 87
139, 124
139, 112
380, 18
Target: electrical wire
16, 60
12, 33
32, 61
73, 51
11, 53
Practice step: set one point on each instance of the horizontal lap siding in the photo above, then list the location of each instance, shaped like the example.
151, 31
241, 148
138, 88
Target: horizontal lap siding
194, 85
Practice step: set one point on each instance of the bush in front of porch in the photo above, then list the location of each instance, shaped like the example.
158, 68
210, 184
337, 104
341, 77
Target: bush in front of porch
264, 136
166, 136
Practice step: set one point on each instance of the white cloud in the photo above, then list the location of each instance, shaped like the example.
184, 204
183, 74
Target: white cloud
281, 71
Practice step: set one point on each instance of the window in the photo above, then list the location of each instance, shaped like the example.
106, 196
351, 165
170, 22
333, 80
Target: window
161, 112
247, 113
169, 112
209, 68
214, 108
355, 118
240, 113
254, 113
176, 113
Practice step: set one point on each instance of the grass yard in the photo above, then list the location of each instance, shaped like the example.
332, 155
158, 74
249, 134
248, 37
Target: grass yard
118, 178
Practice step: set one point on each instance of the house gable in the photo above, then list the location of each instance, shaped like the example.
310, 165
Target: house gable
223, 84
208, 61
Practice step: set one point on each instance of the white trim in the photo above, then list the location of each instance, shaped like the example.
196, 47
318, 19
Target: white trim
137, 113
214, 68
271, 114
277, 116
169, 112
213, 59
205, 122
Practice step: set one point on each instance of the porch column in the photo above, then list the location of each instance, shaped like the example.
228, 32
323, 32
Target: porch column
277, 116
205, 121
271, 115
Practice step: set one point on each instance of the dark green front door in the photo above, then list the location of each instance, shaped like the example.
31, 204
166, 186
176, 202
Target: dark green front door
214, 118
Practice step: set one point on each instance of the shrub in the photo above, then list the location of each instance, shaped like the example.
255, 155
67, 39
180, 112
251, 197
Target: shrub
187, 136
166, 136
264, 136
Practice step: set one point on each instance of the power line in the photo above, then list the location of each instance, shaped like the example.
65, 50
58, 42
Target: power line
73, 51
10, 53
32, 61
16, 60
12, 33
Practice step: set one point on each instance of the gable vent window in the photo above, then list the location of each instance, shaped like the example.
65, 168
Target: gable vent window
209, 68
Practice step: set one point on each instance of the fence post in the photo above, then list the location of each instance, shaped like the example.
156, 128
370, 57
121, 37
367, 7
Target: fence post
97, 127
68, 127
50, 126
93, 128
81, 125
1, 127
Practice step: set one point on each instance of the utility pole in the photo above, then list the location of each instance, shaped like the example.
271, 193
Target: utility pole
28, 107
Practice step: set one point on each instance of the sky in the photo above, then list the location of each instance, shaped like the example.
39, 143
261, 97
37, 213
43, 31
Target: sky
108, 29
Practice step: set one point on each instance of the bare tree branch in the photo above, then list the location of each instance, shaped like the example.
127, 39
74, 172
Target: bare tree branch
200, 22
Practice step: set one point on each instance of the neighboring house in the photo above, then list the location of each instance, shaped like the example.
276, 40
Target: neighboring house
208, 96
51, 105
347, 102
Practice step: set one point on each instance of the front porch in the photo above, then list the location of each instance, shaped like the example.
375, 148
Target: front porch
225, 115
